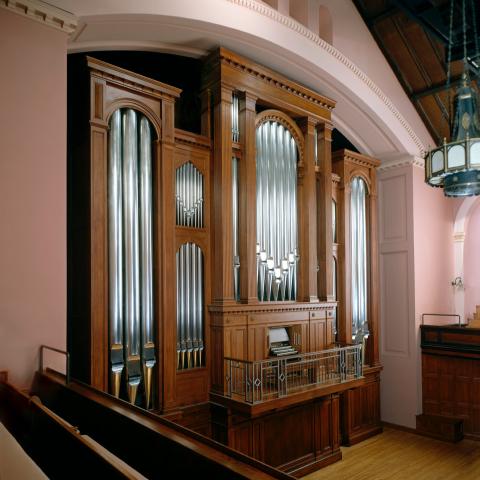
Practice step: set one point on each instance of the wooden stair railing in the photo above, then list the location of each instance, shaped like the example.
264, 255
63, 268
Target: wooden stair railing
154, 446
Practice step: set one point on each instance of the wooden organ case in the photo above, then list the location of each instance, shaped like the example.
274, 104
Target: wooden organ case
238, 233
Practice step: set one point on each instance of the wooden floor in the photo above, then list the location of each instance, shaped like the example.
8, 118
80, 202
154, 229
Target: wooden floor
399, 455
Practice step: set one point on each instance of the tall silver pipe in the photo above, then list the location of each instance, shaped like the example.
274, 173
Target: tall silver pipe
179, 314
132, 300
181, 307
276, 212
146, 256
115, 241
194, 305
236, 257
190, 343
358, 259
200, 297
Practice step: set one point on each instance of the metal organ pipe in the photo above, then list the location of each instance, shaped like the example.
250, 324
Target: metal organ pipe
277, 253
115, 252
190, 345
146, 254
359, 259
189, 196
236, 256
130, 218
131, 314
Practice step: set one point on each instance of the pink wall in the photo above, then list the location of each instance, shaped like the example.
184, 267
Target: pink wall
32, 193
434, 262
416, 268
472, 262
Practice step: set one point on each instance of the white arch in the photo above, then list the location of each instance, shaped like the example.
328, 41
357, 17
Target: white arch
459, 232
367, 116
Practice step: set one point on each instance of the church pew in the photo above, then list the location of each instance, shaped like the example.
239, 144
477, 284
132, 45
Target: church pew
155, 447
56, 447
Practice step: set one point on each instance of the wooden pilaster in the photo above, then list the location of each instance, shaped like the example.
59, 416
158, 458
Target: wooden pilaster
222, 266
307, 280
247, 201
324, 212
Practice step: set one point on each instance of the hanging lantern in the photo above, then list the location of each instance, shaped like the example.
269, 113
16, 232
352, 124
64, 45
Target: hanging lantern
455, 166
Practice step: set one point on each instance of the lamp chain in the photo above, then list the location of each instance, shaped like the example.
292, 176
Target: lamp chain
475, 35
465, 60
449, 61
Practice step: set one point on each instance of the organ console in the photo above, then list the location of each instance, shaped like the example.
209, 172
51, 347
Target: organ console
279, 342
222, 268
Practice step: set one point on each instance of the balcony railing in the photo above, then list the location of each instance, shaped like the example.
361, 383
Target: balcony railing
262, 380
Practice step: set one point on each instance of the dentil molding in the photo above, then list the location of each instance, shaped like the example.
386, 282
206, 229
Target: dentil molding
43, 13
291, 23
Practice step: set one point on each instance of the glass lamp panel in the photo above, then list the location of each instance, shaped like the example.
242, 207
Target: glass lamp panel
456, 156
437, 161
475, 153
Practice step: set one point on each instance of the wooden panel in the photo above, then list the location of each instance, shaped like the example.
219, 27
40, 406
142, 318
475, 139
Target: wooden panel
257, 343
293, 428
236, 342
277, 317
361, 411
451, 387
191, 386
395, 301
393, 213
99, 270
323, 420
240, 438
318, 335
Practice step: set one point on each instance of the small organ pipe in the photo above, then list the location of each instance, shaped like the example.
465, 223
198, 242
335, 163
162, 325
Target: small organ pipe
190, 306
189, 195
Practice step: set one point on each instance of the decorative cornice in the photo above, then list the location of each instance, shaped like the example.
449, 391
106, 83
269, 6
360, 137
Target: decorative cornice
132, 80
402, 162
187, 138
269, 307
291, 23
274, 80
355, 157
43, 13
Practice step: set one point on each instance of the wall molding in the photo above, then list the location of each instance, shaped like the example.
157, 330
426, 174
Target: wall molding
291, 23
402, 162
43, 13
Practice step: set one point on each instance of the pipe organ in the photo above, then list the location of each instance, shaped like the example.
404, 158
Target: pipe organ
189, 253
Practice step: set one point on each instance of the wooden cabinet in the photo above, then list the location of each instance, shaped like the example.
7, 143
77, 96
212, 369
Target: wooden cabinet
451, 375
296, 439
